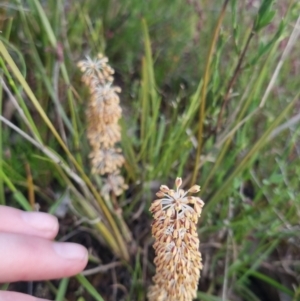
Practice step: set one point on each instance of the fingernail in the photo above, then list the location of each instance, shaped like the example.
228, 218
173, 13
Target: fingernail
69, 250
41, 221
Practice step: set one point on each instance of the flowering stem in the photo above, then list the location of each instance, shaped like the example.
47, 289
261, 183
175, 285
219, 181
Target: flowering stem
178, 260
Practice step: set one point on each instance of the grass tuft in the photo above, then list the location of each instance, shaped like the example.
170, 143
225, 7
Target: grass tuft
210, 93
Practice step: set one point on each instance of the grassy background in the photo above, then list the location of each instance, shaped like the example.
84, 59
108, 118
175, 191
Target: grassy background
220, 80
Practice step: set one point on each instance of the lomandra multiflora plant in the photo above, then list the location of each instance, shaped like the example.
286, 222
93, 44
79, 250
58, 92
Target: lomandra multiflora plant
178, 260
103, 131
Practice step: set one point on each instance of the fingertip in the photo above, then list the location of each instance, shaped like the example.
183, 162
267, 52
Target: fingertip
30, 223
72, 251
42, 222
14, 296
35, 258
73, 255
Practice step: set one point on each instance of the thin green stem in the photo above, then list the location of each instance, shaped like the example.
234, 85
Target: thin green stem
202, 112
233, 79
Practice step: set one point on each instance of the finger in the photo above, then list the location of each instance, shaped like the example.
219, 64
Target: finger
25, 258
12, 296
30, 223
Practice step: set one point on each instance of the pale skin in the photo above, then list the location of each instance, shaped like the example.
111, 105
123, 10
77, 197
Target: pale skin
28, 252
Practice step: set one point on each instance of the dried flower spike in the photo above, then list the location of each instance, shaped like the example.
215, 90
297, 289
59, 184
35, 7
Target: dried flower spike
178, 260
103, 114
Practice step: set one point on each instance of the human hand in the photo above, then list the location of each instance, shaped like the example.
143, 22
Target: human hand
28, 253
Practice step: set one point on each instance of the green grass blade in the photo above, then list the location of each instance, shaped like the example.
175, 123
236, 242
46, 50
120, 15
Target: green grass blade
89, 287
62, 289
248, 158
4, 287
53, 41
19, 197
272, 282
